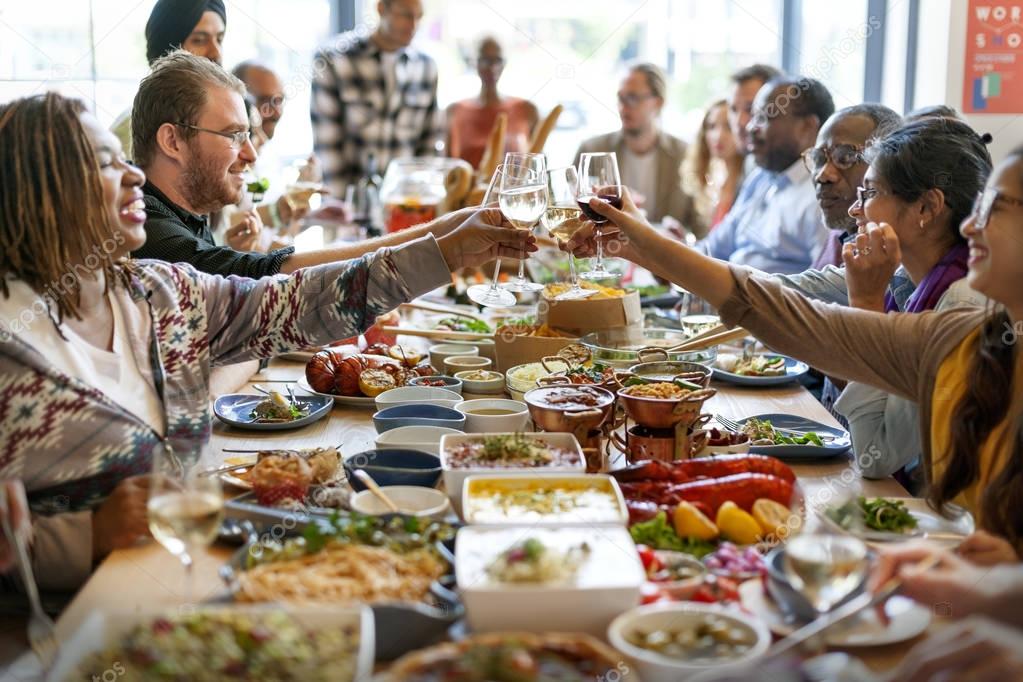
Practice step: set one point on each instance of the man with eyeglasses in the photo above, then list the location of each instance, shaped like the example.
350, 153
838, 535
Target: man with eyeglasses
191, 137
374, 95
773, 225
649, 159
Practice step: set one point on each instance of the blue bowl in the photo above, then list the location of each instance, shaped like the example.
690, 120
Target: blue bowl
394, 467
422, 414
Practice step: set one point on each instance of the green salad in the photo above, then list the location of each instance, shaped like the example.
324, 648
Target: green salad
659, 534
881, 514
761, 432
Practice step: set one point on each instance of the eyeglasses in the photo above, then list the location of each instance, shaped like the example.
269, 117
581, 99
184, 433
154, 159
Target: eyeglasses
841, 156
631, 100
490, 61
865, 193
985, 203
238, 138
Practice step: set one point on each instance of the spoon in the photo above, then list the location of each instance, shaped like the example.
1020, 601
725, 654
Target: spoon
375, 489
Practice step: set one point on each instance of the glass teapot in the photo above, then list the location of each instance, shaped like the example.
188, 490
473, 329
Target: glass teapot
413, 190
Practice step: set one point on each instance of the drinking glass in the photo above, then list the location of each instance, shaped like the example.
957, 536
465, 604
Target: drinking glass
562, 218
523, 198
491, 295
185, 508
825, 568
599, 177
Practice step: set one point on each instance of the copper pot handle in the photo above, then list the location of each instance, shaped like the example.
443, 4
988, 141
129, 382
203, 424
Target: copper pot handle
702, 394
558, 380
618, 377
619, 442
701, 421
650, 351
582, 414
554, 358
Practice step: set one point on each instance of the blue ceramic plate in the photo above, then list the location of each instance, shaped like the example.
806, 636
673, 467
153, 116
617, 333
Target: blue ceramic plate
793, 370
236, 408
833, 448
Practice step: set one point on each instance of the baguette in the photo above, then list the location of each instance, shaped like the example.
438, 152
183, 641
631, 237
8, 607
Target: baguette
543, 130
495, 148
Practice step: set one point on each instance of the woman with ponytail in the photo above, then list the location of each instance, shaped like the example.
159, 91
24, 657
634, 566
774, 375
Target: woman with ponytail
961, 366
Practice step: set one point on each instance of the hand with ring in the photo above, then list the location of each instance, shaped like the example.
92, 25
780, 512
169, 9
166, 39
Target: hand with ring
245, 234
870, 261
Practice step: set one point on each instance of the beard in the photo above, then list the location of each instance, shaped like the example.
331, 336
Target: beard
205, 186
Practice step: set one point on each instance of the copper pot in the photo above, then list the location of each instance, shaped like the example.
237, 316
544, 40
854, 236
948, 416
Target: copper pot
664, 413
643, 443
557, 419
669, 370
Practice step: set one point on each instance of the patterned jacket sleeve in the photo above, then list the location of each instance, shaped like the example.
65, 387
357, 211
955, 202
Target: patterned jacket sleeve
250, 319
327, 114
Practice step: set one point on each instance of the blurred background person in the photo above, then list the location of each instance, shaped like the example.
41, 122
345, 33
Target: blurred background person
470, 121
712, 170
267, 91
649, 158
374, 96
746, 83
774, 224
197, 26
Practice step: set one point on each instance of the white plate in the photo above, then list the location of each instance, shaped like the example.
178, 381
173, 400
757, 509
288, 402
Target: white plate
356, 400
930, 524
907, 620
104, 629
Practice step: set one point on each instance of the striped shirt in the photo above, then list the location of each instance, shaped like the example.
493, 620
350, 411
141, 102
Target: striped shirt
367, 101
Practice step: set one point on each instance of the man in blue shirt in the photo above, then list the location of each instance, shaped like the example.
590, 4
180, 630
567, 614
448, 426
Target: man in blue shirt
774, 224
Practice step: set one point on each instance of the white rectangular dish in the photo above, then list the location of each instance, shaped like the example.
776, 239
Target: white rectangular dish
605, 583
455, 475
543, 499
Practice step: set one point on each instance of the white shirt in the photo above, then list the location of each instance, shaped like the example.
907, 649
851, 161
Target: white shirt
639, 173
114, 373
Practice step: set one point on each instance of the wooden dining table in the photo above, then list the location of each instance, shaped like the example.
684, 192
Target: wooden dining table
148, 577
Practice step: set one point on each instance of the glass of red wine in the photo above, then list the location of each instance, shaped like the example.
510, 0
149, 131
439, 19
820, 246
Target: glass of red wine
599, 177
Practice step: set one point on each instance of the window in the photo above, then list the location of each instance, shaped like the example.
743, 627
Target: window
833, 46
96, 50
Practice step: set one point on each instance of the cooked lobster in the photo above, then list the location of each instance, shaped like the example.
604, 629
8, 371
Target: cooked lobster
743, 489
704, 467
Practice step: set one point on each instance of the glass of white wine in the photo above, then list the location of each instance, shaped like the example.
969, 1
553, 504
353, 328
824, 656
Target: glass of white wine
562, 218
491, 295
523, 199
825, 568
185, 509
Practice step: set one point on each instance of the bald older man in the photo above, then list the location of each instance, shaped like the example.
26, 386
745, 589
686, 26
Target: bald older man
266, 89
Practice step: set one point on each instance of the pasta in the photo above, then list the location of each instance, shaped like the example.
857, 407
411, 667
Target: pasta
343, 574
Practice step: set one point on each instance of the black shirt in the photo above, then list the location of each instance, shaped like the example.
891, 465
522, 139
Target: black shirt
179, 236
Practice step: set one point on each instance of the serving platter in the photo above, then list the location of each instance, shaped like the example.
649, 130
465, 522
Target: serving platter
930, 524
794, 369
832, 448
353, 400
235, 410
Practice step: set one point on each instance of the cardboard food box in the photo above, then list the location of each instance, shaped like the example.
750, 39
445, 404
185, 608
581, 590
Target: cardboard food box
516, 347
586, 315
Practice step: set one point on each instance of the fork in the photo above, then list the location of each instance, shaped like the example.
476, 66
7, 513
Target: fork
733, 425
42, 635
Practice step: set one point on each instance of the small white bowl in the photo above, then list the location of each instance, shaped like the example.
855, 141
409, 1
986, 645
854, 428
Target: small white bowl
413, 500
424, 438
494, 383
513, 422
412, 395
486, 347
653, 667
463, 363
446, 350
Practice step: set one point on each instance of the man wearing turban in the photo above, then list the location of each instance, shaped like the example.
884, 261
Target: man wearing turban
194, 25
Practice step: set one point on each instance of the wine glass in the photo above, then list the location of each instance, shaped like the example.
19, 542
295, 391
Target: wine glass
826, 566
523, 201
491, 295
599, 177
185, 508
562, 218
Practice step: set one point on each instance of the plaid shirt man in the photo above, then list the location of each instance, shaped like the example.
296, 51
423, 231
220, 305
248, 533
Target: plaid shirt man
364, 101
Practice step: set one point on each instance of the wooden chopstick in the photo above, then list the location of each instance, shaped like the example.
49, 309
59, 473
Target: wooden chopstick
713, 331
438, 308
437, 333
710, 341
